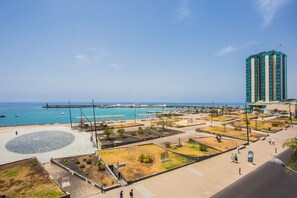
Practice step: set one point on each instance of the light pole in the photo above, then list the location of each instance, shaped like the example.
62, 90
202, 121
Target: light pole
94, 116
247, 126
280, 162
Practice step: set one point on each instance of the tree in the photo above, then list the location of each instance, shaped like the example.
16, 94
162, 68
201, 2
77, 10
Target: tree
292, 143
108, 133
121, 131
140, 131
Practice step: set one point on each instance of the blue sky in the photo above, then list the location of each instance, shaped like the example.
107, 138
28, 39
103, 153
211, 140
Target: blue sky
139, 50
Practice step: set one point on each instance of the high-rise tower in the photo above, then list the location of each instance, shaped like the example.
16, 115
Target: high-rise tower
266, 77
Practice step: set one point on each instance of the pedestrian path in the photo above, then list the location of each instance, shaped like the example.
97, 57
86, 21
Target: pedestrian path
206, 178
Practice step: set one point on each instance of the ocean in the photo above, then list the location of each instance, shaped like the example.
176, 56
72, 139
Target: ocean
17, 114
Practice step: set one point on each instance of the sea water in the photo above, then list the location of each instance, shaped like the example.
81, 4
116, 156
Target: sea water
32, 113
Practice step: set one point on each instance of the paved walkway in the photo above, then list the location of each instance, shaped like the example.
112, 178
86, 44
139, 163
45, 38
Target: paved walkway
204, 179
81, 144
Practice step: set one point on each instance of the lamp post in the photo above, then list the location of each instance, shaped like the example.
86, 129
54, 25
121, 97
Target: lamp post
280, 162
290, 112
93, 105
70, 113
247, 126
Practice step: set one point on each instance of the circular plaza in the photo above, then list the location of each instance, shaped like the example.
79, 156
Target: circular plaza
40, 142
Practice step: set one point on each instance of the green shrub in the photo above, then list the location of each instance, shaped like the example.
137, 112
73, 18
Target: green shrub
238, 128
167, 144
133, 133
82, 166
65, 161
145, 158
203, 147
77, 162
89, 161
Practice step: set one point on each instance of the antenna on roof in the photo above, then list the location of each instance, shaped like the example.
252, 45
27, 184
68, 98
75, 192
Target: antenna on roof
277, 46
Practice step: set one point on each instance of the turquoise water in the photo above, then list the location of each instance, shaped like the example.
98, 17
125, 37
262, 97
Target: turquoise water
33, 113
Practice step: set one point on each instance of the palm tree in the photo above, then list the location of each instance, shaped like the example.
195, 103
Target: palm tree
292, 143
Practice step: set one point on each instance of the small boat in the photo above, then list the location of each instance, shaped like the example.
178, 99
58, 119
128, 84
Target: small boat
62, 113
2, 116
17, 115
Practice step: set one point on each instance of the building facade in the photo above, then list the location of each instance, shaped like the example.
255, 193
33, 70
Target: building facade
266, 77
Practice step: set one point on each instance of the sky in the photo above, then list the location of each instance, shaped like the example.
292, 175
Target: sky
139, 50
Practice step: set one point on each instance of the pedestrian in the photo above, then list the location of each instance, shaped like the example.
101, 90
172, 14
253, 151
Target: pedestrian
16, 132
131, 193
238, 150
121, 194
236, 158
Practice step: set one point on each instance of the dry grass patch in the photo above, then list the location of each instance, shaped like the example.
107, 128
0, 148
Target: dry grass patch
224, 145
219, 118
127, 125
191, 148
270, 125
232, 132
27, 178
134, 168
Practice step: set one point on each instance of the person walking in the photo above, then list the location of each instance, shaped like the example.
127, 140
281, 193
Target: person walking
131, 193
121, 194
16, 132
236, 158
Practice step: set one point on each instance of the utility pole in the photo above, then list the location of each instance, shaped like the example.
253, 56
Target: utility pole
290, 112
95, 123
247, 125
70, 113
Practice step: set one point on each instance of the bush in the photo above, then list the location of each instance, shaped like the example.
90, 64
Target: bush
167, 144
82, 166
276, 123
89, 161
65, 161
145, 158
202, 147
85, 159
133, 133
77, 162
238, 128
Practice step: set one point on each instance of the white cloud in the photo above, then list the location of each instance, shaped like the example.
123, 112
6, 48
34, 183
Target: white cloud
116, 67
268, 9
226, 50
83, 59
93, 49
183, 10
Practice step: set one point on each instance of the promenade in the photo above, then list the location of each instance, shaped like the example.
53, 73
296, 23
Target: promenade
206, 178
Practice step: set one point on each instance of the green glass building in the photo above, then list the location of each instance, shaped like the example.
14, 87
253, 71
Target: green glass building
266, 77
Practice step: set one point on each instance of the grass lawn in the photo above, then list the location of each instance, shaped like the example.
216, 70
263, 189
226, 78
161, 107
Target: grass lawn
224, 145
218, 118
134, 168
261, 125
27, 178
232, 132
191, 148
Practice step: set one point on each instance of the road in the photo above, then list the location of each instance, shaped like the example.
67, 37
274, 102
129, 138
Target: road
269, 180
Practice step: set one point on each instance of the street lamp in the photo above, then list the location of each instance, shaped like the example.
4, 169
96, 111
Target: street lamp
280, 162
